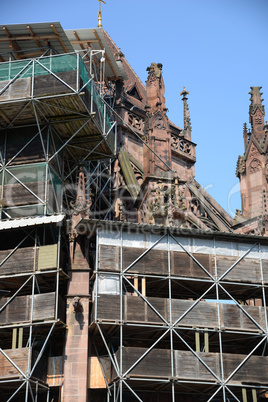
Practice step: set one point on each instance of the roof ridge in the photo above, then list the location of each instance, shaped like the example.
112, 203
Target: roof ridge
125, 60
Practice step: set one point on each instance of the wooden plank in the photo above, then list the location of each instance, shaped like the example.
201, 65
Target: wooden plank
185, 364
19, 309
59, 38
149, 365
13, 44
95, 373
44, 306
28, 38
16, 194
231, 316
109, 258
205, 261
188, 366
19, 357
257, 313
47, 84
184, 265
108, 308
255, 370
203, 315
161, 305
22, 260
34, 36
154, 262
248, 269
180, 263
135, 309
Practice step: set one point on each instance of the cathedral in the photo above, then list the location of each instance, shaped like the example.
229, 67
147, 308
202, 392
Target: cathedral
122, 279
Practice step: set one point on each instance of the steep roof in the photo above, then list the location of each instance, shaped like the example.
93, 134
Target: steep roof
132, 78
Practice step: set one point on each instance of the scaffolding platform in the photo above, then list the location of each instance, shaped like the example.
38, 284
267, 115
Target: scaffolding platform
58, 90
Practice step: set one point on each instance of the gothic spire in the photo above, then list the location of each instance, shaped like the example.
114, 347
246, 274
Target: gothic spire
256, 113
186, 115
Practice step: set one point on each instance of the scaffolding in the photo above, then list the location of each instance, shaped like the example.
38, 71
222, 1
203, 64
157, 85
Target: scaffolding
175, 315
32, 314
179, 316
53, 120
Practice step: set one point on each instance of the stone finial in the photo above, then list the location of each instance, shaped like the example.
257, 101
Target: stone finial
246, 136
256, 114
245, 130
81, 206
255, 96
186, 115
155, 88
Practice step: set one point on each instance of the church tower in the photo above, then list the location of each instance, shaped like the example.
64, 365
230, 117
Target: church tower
252, 167
157, 127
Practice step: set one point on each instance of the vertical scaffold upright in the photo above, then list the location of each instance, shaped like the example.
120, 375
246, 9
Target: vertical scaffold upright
53, 119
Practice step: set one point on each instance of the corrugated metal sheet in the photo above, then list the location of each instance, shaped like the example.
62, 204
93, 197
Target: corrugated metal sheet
88, 35
32, 221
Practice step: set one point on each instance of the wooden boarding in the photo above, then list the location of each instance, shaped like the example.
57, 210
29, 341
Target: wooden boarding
155, 262
156, 364
255, 370
25, 259
188, 367
98, 367
247, 270
22, 260
19, 309
20, 358
17, 195
49, 85
203, 315
109, 258
184, 265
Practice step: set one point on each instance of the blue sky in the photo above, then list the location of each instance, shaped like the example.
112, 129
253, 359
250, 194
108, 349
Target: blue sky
217, 49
